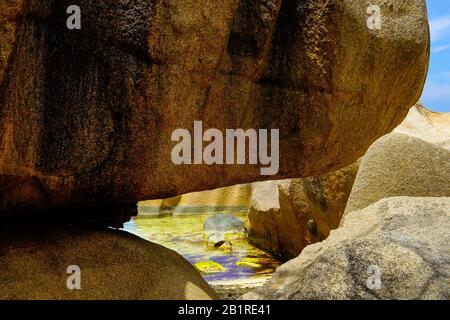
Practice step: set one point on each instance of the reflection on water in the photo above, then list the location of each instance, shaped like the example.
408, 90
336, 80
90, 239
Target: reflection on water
184, 234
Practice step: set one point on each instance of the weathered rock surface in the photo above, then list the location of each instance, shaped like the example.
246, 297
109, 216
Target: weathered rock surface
86, 116
424, 124
113, 264
406, 238
328, 195
400, 165
275, 223
234, 199
285, 216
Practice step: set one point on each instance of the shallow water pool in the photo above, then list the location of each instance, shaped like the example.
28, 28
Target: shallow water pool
184, 234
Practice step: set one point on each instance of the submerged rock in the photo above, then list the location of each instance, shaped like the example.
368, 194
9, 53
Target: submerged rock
86, 116
209, 267
249, 263
112, 264
214, 239
396, 248
223, 228
226, 247
224, 223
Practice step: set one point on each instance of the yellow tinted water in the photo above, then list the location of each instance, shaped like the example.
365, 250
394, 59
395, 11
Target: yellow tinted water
184, 234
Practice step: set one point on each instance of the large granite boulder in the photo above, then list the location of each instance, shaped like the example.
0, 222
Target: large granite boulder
424, 124
34, 264
412, 161
396, 248
86, 115
285, 216
234, 199
328, 195
278, 224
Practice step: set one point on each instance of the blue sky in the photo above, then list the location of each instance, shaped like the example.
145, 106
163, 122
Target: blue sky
436, 95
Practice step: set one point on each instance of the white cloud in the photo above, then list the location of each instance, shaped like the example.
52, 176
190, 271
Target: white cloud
440, 28
440, 48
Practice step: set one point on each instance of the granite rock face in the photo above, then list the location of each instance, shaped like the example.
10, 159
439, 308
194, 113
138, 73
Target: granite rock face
328, 195
433, 127
275, 223
396, 248
34, 264
395, 224
413, 161
286, 216
86, 115
234, 199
